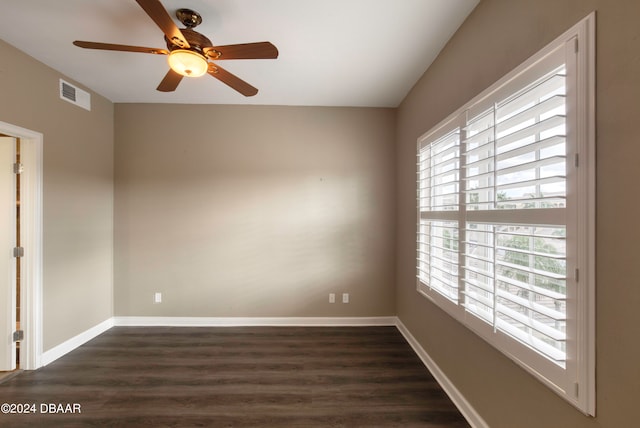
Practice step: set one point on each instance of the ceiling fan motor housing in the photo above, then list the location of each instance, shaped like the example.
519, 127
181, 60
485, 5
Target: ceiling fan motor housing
196, 40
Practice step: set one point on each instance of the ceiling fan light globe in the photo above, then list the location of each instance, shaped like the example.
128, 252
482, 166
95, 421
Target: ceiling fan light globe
187, 63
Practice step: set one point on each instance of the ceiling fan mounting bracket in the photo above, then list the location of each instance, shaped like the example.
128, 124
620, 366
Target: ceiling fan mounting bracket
189, 18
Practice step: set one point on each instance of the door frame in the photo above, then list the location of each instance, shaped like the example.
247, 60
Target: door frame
31, 190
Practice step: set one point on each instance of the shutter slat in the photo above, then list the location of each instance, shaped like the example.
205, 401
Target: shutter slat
532, 113
532, 130
442, 143
481, 162
536, 325
529, 148
484, 273
479, 298
439, 176
532, 253
488, 248
533, 288
443, 287
537, 235
529, 183
444, 152
479, 190
485, 315
553, 84
480, 121
535, 307
558, 200
535, 343
443, 194
484, 287
531, 165
480, 149
442, 269
479, 176
531, 270
479, 137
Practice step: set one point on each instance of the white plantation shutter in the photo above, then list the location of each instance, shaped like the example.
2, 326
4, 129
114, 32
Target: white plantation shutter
515, 280
440, 173
438, 257
502, 208
530, 145
515, 272
439, 192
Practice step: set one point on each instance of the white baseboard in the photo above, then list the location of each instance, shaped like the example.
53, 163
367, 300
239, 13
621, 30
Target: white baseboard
69, 345
474, 419
82, 338
254, 322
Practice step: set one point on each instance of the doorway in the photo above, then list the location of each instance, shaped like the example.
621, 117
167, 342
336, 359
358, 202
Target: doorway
20, 248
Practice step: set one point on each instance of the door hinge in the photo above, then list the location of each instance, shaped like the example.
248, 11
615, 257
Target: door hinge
576, 46
18, 168
577, 160
18, 335
577, 275
18, 252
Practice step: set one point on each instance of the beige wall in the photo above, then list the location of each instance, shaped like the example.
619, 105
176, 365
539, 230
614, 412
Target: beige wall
78, 193
254, 211
497, 36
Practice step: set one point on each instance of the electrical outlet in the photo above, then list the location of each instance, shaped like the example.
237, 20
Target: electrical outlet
157, 298
345, 297
332, 297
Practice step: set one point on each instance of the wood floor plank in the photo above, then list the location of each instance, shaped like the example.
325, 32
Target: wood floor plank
236, 377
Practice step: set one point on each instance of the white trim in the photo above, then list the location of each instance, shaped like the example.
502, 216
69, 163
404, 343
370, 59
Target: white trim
31, 229
254, 321
8, 268
587, 220
69, 345
467, 410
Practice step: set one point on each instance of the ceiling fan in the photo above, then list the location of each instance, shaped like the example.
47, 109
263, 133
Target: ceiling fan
189, 52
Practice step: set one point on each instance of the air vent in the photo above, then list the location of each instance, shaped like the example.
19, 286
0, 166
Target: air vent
75, 95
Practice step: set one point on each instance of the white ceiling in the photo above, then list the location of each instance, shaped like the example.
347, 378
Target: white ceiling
332, 52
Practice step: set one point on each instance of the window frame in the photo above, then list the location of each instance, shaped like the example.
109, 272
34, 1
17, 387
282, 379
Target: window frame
576, 381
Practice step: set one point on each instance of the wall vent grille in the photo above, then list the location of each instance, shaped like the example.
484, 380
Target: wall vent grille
75, 95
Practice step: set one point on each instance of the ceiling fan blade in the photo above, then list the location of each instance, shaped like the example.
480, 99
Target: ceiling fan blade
122, 48
259, 50
161, 17
170, 82
232, 80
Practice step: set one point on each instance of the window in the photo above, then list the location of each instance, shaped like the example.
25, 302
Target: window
506, 227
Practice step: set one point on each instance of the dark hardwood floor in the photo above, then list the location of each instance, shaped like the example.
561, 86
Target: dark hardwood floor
235, 377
